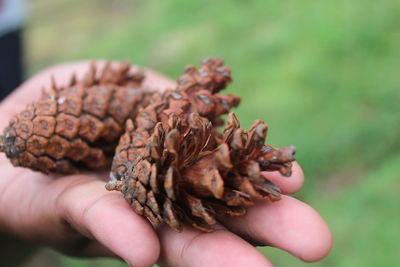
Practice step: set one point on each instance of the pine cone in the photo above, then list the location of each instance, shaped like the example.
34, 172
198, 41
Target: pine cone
172, 164
77, 126
174, 173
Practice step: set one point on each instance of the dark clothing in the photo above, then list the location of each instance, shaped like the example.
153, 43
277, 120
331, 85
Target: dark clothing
11, 62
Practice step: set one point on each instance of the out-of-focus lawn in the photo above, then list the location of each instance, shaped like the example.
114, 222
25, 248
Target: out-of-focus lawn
323, 75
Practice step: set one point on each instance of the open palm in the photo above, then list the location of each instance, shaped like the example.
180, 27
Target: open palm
76, 215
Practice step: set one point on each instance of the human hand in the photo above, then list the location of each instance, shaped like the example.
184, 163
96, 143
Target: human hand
76, 215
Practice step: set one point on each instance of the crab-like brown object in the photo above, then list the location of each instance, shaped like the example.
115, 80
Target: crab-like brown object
179, 172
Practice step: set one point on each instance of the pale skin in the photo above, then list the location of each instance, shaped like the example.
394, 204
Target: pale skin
77, 216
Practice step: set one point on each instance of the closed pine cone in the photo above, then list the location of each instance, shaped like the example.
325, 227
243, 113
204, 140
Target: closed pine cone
77, 126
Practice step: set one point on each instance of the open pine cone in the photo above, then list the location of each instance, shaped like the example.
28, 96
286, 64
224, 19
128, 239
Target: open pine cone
171, 163
176, 173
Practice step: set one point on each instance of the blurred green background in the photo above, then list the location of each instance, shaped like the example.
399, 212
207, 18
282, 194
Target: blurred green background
323, 74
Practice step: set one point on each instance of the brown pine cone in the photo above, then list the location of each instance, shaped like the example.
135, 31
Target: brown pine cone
173, 173
173, 165
76, 126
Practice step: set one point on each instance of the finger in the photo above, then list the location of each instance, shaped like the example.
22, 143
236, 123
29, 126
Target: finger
288, 185
288, 224
106, 217
193, 248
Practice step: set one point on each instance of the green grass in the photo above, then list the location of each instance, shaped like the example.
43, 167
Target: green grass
323, 75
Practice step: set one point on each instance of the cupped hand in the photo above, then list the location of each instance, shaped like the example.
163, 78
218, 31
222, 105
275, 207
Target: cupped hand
77, 216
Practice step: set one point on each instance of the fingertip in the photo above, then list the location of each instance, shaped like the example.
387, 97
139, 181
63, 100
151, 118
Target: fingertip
311, 238
320, 246
288, 185
288, 224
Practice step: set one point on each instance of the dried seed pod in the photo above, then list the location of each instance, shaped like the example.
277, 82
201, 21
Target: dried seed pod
172, 165
174, 174
71, 127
